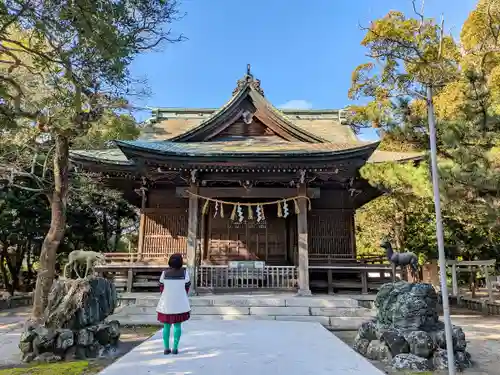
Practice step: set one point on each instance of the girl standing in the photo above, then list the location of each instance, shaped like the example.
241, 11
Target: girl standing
173, 308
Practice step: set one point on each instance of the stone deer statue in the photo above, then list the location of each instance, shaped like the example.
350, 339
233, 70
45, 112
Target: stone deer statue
82, 257
401, 260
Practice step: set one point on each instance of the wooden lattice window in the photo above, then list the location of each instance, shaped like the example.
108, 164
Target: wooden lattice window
331, 234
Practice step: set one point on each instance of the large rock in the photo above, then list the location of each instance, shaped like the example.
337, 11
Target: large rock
368, 330
396, 342
360, 345
407, 306
421, 343
440, 360
458, 335
410, 362
65, 340
76, 304
407, 331
75, 324
378, 351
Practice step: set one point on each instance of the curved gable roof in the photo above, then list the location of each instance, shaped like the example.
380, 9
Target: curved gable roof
248, 98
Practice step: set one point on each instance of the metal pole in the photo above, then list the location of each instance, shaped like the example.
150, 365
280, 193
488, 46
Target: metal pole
439, 234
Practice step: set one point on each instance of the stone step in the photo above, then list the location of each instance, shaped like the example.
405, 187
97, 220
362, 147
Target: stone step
261, 311
313, 302
334, 323
335, 312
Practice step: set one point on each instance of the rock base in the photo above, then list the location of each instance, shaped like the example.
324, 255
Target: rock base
41, 344
74, 325
406, 332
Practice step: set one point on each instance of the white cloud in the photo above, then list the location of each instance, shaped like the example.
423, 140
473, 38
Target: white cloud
296, 104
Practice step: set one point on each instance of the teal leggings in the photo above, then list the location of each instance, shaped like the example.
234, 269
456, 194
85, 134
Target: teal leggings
177, 335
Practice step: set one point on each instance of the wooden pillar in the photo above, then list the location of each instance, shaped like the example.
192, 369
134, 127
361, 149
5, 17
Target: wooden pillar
142, 222
488, 284
430, 273
130, 280
330, 281
364, 282
303, 243
454, 280
192, 237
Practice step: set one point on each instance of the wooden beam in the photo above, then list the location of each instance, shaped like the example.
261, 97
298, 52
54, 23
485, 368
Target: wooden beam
489, 285
460, 263
454, 280
303, 244
142, 221
233, 192
192, 237
130, 280
251, 176
364, 282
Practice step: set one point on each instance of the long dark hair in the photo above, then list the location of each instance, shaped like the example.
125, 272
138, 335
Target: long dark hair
175, 261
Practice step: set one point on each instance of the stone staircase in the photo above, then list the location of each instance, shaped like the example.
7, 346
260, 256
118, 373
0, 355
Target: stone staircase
337, 313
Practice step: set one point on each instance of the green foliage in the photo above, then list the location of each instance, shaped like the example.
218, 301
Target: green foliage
63, 79
412, 54
404, 215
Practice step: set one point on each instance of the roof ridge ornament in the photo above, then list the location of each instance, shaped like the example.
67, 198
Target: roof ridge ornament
249, 80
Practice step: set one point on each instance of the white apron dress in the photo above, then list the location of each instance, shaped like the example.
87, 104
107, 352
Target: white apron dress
174, 306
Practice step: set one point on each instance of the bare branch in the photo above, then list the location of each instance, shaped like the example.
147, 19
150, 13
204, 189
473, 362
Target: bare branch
419, 14
441, 38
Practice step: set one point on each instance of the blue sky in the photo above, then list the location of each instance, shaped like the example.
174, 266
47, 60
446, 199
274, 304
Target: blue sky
303, 54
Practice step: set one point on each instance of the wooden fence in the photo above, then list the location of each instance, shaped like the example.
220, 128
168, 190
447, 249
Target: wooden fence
268, 277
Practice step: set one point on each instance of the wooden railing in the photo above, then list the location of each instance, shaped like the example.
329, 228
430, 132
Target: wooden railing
268, 277
120, 257
131, 257
324, 259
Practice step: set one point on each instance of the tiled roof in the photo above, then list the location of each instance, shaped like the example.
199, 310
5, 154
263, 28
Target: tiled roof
390, 156
249, 146
116, 157
173, 122
108, 156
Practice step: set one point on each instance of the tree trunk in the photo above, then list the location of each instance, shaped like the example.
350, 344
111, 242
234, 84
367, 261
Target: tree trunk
29, 265
5, 274
118, 232
55, 235
14, 268
105, 230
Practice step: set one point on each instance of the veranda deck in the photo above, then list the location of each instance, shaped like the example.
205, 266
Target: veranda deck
133, 273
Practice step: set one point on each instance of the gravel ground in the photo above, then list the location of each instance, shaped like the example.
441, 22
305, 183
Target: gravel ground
483, 342
482, 333
11, 327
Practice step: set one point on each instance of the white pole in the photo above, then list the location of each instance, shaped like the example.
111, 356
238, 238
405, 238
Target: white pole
439, 234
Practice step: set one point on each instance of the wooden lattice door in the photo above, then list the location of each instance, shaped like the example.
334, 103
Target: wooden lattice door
249, 240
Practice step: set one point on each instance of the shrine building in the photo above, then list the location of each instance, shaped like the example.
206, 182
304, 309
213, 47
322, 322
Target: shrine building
252, 196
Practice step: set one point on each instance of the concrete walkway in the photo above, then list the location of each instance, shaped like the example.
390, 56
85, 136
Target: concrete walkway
246, 348
11, 327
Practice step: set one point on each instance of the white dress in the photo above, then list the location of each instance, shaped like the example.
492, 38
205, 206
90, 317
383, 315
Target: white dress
174, 298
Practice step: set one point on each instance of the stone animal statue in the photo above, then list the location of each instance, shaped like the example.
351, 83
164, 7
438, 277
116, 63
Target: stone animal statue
401, 259
82, 257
